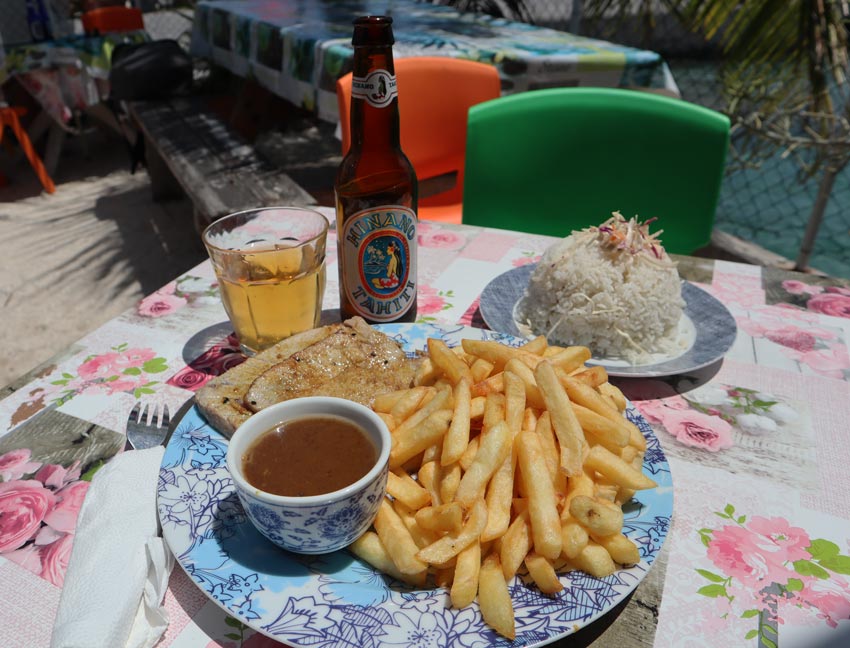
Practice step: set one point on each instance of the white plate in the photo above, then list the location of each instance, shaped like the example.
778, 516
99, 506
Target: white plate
707, 325
337, 600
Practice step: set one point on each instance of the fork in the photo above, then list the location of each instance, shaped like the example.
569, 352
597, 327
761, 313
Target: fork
146, 428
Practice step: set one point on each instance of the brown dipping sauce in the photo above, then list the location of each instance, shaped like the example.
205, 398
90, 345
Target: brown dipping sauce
311, 455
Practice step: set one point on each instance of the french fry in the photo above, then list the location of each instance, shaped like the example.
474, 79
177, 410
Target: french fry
595, 560
586, 396
468, 455
544, 430
494, 410
617, 470
383, 403
498, 353
368, 547
537, 346
410, 441
480, 370
406, 489
529, 419
514, 402
543, 574
397, 540
493, 384
498, 497
447, 362
599, 517
429, 478
570, 358
457, 438
591, 376
422, 537
426, 373
445, 518
620, 548
604, 431
635, 437
408, 403
532, 393
574, 538
441, 400
516, 543
614, 394
494, 448
494, 599
450, 545
465, 584
570, 435
449, 481
476, 408
542, 506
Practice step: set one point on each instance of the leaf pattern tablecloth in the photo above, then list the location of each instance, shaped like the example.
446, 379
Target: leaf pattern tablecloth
759, 550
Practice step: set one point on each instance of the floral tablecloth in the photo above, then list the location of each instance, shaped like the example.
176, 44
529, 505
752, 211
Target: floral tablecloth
66, 74
299, 49
758, 553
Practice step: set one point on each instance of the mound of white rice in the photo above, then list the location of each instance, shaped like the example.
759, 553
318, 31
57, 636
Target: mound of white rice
611, 288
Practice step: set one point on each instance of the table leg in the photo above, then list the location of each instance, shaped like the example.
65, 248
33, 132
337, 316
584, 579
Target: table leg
55, 140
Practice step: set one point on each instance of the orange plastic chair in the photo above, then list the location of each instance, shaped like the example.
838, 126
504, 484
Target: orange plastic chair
435, 94
9, 117
112, 19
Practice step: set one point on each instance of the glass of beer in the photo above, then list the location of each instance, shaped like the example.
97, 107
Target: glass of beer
270, 265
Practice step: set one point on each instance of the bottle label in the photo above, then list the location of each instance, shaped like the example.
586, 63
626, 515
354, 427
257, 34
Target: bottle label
378, 88
379, 262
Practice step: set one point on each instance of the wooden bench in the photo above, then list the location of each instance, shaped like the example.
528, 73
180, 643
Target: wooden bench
190, 149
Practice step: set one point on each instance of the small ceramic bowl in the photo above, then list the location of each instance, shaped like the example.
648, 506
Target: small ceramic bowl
313, 524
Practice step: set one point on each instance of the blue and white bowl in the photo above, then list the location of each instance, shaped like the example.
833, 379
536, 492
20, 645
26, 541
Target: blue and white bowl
313, 524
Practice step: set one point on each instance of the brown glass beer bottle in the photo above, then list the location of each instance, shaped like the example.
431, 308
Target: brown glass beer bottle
376, 190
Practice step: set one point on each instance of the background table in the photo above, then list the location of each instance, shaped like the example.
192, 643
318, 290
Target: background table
64, 77
299, 49
757, 445
67, 74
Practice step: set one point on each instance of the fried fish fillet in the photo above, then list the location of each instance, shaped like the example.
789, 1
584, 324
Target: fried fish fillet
349, 360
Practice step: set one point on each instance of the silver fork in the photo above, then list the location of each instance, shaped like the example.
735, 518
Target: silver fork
146, 428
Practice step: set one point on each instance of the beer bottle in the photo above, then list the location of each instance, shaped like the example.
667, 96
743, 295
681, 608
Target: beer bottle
376, 190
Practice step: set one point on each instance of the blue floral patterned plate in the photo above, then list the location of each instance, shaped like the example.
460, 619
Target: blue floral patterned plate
338, 600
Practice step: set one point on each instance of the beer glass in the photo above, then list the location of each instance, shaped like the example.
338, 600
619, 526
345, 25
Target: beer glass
270, 265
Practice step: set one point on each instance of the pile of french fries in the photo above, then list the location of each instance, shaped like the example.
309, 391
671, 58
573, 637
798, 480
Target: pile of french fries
505, 460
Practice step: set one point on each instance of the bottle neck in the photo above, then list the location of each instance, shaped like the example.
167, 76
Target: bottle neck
374, 100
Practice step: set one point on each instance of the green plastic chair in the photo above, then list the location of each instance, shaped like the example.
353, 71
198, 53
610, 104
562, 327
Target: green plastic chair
555, 160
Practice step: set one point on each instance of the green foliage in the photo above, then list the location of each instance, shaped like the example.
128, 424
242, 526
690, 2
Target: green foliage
713, 591
809, 568
783, 69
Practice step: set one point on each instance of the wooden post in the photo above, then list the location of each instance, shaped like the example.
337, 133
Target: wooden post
815, 218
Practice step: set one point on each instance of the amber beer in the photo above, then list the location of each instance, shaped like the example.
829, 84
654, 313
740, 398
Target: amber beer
270, 266
376, 189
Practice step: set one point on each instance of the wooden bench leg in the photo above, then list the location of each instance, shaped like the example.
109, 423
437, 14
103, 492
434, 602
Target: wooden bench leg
164, 186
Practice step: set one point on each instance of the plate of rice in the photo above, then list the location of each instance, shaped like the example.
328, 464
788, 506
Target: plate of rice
614, 289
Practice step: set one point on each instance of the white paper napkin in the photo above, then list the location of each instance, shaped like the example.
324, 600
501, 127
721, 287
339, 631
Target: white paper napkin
119, 567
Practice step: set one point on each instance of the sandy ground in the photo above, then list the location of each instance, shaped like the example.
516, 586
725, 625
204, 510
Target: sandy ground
72, 260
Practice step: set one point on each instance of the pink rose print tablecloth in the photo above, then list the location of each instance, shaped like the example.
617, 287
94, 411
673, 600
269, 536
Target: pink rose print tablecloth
759, 445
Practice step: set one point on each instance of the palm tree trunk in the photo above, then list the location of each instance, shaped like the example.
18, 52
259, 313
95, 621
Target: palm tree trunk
815, 218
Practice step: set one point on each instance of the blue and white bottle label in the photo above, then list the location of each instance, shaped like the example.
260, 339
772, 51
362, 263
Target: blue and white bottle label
379, 256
